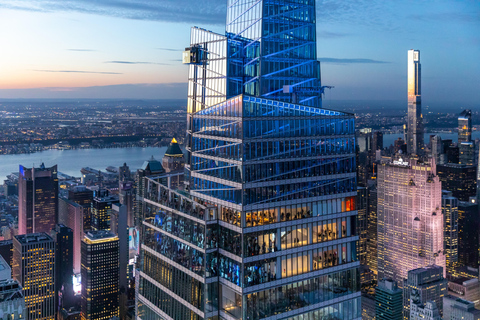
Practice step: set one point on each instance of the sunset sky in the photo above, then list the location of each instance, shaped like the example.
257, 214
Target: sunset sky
132, 49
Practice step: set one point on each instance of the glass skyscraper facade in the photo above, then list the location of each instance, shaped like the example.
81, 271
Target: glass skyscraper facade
267, 227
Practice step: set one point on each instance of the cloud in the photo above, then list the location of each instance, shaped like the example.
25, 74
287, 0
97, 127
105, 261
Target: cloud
331, 35
78, 71
210, 12
346, 61
462, 17
169, 49
136, 62
121, 91
82, 50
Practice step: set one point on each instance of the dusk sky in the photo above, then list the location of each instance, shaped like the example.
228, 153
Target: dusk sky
132, 48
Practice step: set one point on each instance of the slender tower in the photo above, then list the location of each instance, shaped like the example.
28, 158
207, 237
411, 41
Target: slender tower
415, 144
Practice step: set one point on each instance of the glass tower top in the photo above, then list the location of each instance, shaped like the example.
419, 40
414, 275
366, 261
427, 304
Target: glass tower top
268, 45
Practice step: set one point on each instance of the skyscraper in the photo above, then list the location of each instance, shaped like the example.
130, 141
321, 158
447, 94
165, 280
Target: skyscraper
424, 285
63, 237
459, 179
84, 197
372, 225
459, 309
415, 144
34, 269
468, 234
450, 226
100, 271
101, 211
119, 228
37, 199
268, 225
12, 300
465, 126
410, 221
388, 300
71, 214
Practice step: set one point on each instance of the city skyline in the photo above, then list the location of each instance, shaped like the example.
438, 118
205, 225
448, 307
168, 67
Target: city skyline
133, 50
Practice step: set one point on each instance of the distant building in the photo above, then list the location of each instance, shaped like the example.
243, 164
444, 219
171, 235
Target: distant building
362, 223
450, 227
126, 192
468, 234
124, 173
468, 289
466, 153
465, 126
410, 220
426, 284
437, 148
12, 300
100, 275
460, 179
388, 300
84, 197
34, 269
63, 237
459, 309
119, 228
415, 144
5, 270
427, 311
6, 251
101, 210
149, 168
372, 235
71, 214
452, 153
37, 199
173, 160
368, 307
70, 314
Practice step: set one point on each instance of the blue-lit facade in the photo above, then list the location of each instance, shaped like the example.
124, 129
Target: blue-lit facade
267, 229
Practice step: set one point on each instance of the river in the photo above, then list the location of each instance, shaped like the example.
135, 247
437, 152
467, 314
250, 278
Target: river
388, 139
71, 161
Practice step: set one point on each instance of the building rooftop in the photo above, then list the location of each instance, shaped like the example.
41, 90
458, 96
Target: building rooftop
153, 166
174, 149
33, 237
99, 236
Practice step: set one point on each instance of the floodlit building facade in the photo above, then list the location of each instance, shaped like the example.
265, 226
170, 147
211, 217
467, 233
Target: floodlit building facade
410, 220
267, 228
